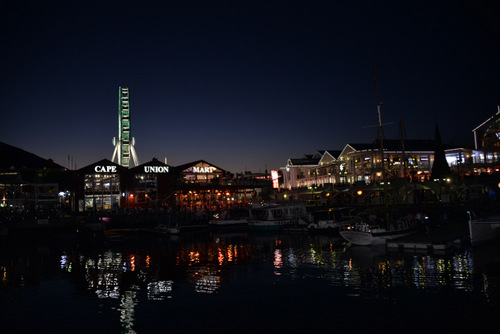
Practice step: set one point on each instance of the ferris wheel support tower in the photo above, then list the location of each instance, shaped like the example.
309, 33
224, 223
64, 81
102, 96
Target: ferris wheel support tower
124, 146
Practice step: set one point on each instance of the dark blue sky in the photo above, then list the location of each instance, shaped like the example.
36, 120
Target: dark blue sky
244, 85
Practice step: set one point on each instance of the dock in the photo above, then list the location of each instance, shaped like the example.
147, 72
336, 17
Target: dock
439, 238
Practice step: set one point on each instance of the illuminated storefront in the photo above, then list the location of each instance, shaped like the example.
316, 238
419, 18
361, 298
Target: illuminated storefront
99, 186
107, 186
149, 185
361, 163
157, 187
202, 186
28, 182
200, 172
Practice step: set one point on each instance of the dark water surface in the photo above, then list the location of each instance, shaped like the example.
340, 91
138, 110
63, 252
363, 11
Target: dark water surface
243, 283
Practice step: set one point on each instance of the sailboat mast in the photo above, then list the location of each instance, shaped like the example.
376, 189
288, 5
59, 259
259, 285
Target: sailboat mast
380, 128
381, 137
403, 153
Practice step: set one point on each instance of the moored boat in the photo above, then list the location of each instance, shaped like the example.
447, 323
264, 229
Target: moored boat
230, 220
483, 230
331, 226
364, 234
275, 217
168, 229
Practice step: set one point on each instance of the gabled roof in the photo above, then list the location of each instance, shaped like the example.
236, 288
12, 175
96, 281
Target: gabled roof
304, 162
313, 159
104, 162
153, 162
359, 146
327, 158
410, 145
13, 157
350, 147
183, 167
486, 123
333, 153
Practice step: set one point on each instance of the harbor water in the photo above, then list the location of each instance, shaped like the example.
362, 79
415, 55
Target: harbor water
243, 283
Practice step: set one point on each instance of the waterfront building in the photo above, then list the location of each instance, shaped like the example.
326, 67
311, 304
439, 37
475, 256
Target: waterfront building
412, 159
486, 155
107, 186
299, 172
198, 186
100, 186
202, 186
200, 171
29, 183
151, 185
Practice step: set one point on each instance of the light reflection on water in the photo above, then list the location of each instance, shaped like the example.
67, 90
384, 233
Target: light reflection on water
128, 302
158, 275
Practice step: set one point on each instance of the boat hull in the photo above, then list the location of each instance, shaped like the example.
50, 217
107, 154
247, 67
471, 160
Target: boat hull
276, 217
327, 230
237, 224
324, 227
482, 231
367, 237
168, 229
266, 225
361, 238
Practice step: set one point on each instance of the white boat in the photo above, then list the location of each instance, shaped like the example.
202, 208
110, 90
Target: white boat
483, 230
275, 217
230, 220
331, 226
364, 234
169, 229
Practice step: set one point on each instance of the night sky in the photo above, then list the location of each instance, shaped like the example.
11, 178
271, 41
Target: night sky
244, 85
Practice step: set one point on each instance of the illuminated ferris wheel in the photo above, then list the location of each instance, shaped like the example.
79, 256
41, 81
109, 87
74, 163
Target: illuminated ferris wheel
124, 146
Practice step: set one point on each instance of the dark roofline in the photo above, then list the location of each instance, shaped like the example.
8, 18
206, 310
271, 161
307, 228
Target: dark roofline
18, 158
106, 162
153, 162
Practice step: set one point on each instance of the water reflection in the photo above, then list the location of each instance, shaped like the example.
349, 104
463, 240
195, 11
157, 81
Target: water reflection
128, 302
204, 279
159, 290
204, 262
103, 274
167, 270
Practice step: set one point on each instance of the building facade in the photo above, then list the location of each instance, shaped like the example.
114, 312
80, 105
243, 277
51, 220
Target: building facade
198, 186
29, 183
412, 160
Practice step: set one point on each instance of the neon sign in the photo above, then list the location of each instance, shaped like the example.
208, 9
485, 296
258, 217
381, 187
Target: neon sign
156, 169
203, 169
274, 177
105, 169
